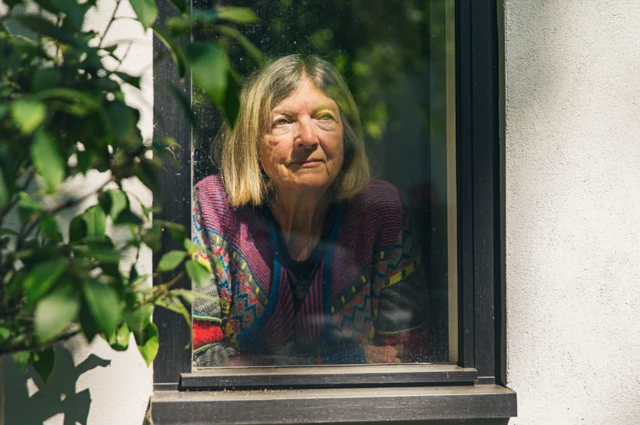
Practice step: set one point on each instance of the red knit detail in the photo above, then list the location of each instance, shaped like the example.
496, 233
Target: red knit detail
206, 333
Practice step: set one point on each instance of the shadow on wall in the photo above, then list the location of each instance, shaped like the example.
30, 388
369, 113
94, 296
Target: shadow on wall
28, 401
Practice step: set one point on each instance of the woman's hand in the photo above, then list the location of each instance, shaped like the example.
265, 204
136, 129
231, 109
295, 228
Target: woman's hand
384, 354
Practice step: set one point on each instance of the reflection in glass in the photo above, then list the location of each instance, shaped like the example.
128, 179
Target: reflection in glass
398, 63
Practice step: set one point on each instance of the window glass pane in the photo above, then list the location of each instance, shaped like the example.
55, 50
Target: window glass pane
366, 273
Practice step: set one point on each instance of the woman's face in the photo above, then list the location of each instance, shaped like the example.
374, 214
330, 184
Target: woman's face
303, 148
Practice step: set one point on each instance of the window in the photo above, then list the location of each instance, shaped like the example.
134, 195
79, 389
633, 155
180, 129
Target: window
458, 88
399, 63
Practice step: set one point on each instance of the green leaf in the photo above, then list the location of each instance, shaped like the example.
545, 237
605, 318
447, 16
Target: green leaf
14, 287
146, 10
116, 203
96, 221
113, 202
186, 295
85, 160
28, 114
128, 217
174, 304
54, 313
43, 362
133, 273
123, 335
88, 101
168, 142
148, 344
173, 48
179, 25
170, 260
248, 46
46, 78
121, 119
152, 237
21, 359
209, 66
102, 254
176, 231
99, 241
119, 340
231, 100
47, 160
192, 247
49, 228
5, 333
239, 15
181, 5
42, 278
198, 273
104, 304
148, 171
5, 196
88, 323
74, 12
165, 147
129, 79
204, 15
138, 319
77, 229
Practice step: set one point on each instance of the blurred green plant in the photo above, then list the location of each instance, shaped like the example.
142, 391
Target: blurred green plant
62, 115
373, 43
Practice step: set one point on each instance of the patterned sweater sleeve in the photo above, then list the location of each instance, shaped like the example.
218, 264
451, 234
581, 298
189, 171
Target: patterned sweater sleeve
402, 310
210, 345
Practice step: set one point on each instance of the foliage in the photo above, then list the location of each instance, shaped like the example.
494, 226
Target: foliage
373, 43
63, 115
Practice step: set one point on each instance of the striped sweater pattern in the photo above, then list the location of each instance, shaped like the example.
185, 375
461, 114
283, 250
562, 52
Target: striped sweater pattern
369, 288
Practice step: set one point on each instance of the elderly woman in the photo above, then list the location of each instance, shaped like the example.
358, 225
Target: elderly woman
315, 260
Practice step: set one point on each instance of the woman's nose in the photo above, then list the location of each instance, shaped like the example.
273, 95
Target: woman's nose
307, 136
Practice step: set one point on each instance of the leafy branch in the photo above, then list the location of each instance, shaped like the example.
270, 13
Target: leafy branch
62, 115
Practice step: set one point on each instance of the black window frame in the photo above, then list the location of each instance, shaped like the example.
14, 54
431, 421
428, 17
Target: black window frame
472, 388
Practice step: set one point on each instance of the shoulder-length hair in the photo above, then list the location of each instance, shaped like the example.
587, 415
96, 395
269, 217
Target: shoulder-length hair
237, 149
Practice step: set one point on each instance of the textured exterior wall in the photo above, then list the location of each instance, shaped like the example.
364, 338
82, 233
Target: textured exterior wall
572, 210
92, 383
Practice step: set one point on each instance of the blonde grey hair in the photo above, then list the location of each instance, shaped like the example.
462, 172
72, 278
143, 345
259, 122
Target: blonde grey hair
237, 149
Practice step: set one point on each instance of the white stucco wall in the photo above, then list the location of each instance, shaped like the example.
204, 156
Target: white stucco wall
117, 389
573, 210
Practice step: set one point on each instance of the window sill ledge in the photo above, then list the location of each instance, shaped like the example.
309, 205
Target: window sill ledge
316, 377
317, 406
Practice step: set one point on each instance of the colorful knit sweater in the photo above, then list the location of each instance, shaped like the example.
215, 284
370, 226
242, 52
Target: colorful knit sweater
368, 290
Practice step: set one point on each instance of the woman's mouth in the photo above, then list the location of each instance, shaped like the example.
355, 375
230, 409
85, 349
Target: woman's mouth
309, 163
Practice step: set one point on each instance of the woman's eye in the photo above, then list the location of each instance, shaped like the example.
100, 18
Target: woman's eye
325, 117
281, 121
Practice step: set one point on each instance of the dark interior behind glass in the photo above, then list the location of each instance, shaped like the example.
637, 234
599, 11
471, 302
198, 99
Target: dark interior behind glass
396, 58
